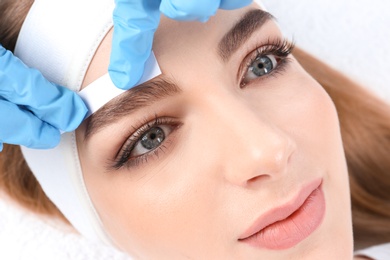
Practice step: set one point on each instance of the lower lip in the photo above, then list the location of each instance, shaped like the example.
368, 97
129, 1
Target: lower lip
292, 230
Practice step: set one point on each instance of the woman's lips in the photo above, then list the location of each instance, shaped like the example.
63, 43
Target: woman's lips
289, 224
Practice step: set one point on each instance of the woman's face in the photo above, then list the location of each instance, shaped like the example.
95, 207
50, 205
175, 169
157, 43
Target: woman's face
228, 162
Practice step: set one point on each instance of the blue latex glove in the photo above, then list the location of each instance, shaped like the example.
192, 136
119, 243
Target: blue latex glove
135, 22
32, 110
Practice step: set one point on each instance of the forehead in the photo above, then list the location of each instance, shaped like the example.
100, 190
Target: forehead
176, 38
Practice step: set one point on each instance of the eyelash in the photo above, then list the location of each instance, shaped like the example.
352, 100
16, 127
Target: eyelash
281, 48
124, 154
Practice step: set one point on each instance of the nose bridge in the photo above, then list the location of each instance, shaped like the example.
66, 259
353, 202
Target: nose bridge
253, 146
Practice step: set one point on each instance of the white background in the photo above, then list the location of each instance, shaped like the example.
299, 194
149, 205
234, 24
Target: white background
351, 35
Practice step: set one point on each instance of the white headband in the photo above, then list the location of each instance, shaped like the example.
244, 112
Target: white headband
60, 38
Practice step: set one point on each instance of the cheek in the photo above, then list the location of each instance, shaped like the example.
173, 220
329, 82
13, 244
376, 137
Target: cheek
317, 132
154, 212
318, 126
298, 105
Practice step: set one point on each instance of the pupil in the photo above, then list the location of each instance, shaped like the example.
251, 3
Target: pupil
262, 65
152, 138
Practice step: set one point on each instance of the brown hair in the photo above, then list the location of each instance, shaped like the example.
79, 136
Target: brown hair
16, 178
365, 129
12, 15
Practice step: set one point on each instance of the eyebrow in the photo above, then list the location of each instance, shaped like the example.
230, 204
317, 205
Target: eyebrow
159, 88
130, 101
252, 21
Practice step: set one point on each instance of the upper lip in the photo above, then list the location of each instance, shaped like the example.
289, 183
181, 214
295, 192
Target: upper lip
283, 211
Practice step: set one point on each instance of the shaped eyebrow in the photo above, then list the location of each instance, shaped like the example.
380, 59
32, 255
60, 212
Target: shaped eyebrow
160, 88
130, 101
252, 21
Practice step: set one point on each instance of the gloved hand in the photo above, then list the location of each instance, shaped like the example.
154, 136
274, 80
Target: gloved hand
135, 22
32, 110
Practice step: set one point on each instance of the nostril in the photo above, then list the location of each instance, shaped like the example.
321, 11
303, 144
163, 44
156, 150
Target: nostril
257, 179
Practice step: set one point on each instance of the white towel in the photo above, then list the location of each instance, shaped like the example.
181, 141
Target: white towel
25, 236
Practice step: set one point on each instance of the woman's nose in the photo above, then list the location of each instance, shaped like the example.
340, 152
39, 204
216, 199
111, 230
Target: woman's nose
253, 146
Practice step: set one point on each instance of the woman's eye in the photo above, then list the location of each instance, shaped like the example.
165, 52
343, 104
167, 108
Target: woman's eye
265, 60
150, 140
147, 141
260, 66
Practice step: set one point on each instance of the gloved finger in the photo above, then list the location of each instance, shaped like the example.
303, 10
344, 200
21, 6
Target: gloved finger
53, 104
234, 4
19, 126
135, 22
200, 10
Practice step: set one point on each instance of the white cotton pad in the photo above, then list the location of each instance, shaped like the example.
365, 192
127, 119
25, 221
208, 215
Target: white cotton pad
102, 90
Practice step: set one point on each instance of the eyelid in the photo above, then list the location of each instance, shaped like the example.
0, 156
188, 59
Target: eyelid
278, 47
